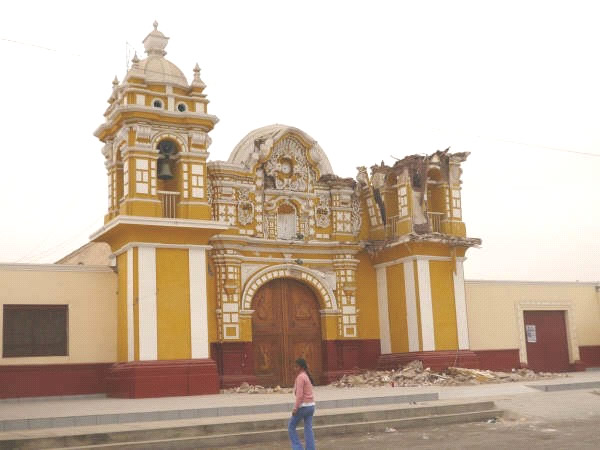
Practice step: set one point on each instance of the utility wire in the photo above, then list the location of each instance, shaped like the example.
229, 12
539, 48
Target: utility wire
70, 240
76, 54
508, 141
558, 149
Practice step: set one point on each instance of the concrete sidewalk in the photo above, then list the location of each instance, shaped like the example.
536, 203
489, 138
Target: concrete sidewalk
219, 405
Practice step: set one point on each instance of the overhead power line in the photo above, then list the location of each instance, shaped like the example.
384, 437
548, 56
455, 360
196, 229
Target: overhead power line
558, 149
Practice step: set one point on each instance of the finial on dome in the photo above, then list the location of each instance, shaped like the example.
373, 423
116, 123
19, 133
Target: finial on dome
115, 82
197, 82
155, 42
135, 59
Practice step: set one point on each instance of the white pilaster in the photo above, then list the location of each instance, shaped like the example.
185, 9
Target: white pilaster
130, 337
425, 305
384, 317
461, 307
412, 323
198, 308
148, 326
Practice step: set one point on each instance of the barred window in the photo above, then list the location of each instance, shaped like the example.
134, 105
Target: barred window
35, 330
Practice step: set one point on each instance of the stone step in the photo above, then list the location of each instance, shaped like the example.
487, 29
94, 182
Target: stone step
197, 413
551, 387
279, 435
250, 429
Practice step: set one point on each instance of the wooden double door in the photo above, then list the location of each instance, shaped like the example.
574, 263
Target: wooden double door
286, 325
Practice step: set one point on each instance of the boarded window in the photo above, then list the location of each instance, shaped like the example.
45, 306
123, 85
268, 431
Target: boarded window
286, 222
35, 330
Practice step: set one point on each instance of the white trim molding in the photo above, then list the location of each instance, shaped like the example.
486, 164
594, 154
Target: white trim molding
566, 306
159, 222
148, 323
384, 317
460, 305
426, 305
313, 278
198, 306
130, 328
156, 245
416, 258
54, 267
412, 319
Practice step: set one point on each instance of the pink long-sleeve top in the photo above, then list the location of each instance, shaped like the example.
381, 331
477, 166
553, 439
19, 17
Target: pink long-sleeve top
303, 390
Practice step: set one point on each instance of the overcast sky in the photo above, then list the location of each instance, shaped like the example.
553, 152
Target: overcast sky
517, 84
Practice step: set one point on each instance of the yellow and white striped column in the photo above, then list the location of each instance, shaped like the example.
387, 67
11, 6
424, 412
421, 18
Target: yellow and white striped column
158, 325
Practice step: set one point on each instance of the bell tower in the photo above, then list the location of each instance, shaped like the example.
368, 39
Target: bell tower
158, 225
156, 139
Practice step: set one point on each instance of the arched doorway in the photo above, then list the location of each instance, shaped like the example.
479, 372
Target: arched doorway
286, 325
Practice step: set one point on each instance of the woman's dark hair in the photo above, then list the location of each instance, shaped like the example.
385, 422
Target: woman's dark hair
301, 362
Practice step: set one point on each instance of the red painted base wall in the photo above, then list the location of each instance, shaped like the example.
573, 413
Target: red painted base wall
235, 360
590, 355
346, 357
499, 360
143, 379
52, 379
437, 361
235, 363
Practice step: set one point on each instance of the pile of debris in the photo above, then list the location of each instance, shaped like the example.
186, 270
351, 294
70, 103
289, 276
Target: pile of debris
246, 388
413, 374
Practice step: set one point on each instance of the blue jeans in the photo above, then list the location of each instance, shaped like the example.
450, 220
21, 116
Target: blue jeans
305, 413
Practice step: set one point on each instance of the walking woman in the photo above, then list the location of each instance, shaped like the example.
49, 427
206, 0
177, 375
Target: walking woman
304, 408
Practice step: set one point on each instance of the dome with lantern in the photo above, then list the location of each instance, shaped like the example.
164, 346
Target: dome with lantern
156, 68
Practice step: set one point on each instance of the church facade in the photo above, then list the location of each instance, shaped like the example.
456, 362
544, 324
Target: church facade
227, 271
270, 256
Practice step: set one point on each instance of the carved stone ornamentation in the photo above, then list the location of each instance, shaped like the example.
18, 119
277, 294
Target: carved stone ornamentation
355, 219
288, 166
209, 194
323, 212
245, 208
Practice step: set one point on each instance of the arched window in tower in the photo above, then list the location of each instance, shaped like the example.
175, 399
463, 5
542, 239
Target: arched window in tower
436, 199
166, 174
286, 221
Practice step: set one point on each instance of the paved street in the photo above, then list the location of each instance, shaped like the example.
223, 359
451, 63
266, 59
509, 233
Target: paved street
557, 420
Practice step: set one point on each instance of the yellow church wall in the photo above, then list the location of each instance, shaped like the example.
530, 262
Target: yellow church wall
122, 308
156, 88
493, 310
245, 329
329, 327
444, 310
133, 207
454, 228
397, 308
91, 295
194, 211
414, 248
173, 304
366, 298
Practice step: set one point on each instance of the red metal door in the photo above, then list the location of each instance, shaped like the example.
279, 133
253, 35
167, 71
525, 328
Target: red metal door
286, 325
546, 339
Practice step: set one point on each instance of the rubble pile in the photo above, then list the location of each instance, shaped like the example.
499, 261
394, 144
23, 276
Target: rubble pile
413, 374
246, 388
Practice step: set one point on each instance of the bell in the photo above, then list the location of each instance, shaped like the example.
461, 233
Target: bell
164, 169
